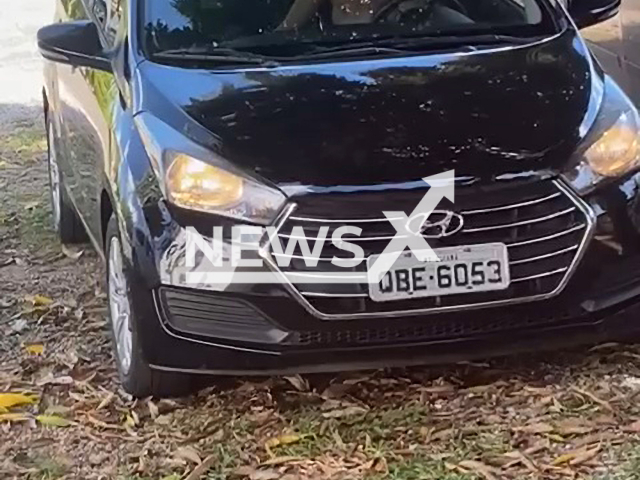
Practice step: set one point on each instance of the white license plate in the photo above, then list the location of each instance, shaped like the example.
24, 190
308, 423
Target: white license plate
465, 269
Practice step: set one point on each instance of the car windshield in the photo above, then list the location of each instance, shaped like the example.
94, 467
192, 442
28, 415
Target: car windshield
282, 26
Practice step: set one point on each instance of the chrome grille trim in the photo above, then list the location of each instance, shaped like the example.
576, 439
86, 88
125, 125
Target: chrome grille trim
334, 295
512, 206
521, 223
509, 245
463, 212
541, 275
465, 230
542, 257
548, 237
361, 295
324, 275
589, 226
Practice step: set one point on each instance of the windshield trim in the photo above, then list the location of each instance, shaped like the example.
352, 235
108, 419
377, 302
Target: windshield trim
301, 63
553, 15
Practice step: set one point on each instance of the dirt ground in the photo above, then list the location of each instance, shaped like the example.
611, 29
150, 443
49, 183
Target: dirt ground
567, 415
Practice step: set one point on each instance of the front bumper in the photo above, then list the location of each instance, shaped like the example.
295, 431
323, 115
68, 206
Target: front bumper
264, 329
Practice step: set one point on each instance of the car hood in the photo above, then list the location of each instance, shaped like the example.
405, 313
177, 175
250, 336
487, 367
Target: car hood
505, 112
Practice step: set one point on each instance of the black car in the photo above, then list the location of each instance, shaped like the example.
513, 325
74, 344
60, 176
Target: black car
170, 120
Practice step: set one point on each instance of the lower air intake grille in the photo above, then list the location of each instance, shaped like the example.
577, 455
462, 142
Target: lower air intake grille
210, 315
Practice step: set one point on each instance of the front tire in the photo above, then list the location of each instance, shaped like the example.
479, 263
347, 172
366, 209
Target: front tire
65, 219
136, 376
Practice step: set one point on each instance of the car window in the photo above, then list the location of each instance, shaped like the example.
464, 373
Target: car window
259, 23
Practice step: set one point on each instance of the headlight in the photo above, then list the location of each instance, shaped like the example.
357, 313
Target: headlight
611, 148
194, 177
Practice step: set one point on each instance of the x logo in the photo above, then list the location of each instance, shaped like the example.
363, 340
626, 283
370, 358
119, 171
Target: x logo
442, 185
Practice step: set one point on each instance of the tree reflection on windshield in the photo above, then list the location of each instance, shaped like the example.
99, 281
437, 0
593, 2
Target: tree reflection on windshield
172, 24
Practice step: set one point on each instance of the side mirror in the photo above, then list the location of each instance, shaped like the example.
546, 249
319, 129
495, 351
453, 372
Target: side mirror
590, 12
73, 43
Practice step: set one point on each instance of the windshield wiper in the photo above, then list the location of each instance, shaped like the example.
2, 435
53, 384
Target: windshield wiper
418, 44
210, 53
348, 51
380, 46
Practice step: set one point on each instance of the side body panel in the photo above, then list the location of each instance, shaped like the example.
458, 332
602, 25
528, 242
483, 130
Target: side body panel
86, 98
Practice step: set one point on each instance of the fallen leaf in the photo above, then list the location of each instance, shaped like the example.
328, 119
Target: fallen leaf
163, 420
14, 417
201, 469
555, 437
479, 468
585, 456
40, 300
31, 205
335, 390
269, 474
535, 428
53, 421
338, 440
71, 253
188, 453
604, 346
438, 389
632, 427
281, 460
564, 458
130, 421
100, 423
281, 440
573, 426
153, 409
51, 380
444, 434
57, 410
34, 348
345, 412
521, 457
252, 473
298, 383
243, 471
106, 401
19, 325
8, 400
593, 398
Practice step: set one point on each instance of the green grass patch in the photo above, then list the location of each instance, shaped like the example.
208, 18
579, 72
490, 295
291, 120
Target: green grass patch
35, 225
420, 468
23, 142
624, 464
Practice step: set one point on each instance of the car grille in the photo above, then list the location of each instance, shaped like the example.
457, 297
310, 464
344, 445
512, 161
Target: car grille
544, 226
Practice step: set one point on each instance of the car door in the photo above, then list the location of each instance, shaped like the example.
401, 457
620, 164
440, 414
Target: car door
86, 97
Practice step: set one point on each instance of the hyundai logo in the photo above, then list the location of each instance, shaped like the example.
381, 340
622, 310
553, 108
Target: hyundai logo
439, 224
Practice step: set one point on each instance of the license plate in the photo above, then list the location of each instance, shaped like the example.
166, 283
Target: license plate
464, 269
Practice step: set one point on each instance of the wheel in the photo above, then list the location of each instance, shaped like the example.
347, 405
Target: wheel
65, 219
136, 376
